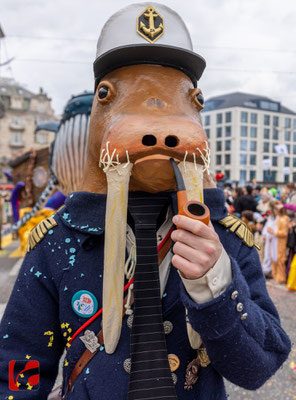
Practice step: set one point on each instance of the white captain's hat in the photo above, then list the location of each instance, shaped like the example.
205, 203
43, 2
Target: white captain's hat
146, 33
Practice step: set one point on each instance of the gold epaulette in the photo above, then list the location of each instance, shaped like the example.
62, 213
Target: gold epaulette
237, 226
38, 233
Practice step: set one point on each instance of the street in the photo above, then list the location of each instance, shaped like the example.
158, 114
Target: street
282, 386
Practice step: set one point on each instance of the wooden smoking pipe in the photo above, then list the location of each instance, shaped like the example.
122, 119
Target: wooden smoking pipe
192, 209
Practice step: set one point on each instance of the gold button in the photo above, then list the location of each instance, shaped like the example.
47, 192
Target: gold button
168, 327
127, 365
174, 362
130, 321
244, 316
239, 307
234, 295
175, 378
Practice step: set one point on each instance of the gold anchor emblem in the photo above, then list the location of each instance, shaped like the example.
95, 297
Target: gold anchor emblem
155, 28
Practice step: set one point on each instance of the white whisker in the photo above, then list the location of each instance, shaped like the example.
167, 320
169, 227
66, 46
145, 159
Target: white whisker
206, 158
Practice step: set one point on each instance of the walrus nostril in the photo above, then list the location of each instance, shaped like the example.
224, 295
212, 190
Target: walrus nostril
149, 140
171, 141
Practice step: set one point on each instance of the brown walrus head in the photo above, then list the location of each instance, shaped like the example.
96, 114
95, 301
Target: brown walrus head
146, 110
145, 114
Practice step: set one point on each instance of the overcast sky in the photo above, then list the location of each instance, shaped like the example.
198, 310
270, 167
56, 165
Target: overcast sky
249, 45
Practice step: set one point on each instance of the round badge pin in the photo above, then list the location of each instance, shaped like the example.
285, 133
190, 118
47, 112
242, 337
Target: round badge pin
84, 304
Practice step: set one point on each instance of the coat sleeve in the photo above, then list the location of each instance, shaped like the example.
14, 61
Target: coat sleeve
30, 328
245, 351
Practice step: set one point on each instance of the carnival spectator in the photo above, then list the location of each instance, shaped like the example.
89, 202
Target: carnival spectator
291, 244
290, 191
281, 233
259, 239
247, 217
263, 205
270, 249
237, 193
246, 202
257, 193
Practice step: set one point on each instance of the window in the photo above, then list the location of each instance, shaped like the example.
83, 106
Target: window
286, 178
243, 145
16, 137
244, 130
243, 159
227, 173
253, 132
219, 118
268, 105
273, 148
294, 148
253, 145
274, 161
242, 175
219, 132
266, 133
16, 121
287, 122
294, 124
275, 121
227, 159
253, 159
227, 145
244, 116
207, 120
288, 148
287, 161
227, 130
26, 104
218, 145
207, 131
41, 138
253, 118
275, 134
294, 136
252, 175
218, 159
265, 147
294, 176
288, 135
266, 119
294, 162
228, 116
269, 175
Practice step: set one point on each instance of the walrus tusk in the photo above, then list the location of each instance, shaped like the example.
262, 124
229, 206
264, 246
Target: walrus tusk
114, 255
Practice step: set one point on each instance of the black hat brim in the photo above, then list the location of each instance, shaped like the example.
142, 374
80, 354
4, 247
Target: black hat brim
186, 61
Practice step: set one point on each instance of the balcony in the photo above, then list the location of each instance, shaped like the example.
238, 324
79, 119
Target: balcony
16, 144
16, 126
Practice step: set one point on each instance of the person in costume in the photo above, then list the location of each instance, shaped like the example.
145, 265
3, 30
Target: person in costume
281, 233
142, 317
271, 240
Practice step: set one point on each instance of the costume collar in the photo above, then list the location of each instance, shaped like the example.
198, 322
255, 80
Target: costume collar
85, 212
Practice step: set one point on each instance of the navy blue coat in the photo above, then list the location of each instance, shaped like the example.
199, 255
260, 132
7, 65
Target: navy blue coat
70, 258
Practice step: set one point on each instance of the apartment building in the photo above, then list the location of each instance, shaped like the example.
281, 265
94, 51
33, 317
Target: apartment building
20, 111
247, 134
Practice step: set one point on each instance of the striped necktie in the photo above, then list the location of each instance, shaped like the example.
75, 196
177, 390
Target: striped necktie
150, 376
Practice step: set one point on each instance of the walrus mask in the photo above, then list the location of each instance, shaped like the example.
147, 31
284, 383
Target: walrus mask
142, 115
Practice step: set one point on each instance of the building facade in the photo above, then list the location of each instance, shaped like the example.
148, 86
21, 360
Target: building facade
245, 129
20, 112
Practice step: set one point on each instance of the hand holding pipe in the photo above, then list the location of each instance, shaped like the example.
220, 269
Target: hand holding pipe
193, 209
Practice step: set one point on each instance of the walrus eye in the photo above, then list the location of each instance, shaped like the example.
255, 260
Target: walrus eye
197, 98
103, 92
106, 92
200, 98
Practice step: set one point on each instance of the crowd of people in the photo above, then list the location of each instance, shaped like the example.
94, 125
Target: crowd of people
270, 214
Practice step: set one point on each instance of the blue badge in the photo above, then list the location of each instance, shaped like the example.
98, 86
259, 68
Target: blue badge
84, 304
